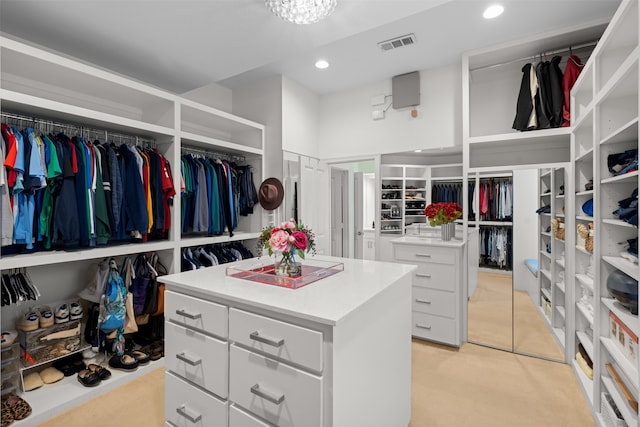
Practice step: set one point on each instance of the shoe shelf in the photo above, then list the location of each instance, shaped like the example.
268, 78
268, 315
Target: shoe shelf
627, 413
586, 383
618, 223
630, 371
25, 369
585, 312
586, 341
621, 178
623, 265
51, 400
585, 280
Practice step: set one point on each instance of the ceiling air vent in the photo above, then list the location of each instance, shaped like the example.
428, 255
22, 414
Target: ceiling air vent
397, 42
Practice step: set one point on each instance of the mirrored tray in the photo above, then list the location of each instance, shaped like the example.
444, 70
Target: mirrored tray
261, 270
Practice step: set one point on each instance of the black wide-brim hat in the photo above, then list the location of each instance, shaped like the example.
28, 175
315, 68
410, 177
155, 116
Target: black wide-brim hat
271, 193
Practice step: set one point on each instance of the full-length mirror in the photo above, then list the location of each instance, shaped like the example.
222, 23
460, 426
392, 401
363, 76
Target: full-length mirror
539, 266
517, 302
490, 304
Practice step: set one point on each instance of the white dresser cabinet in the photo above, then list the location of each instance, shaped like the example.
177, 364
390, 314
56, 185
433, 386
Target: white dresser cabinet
246, 354
436, 304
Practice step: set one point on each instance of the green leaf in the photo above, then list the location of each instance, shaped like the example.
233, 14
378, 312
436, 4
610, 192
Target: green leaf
301, 253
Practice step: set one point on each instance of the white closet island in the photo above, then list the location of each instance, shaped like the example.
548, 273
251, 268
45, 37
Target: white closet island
336, 352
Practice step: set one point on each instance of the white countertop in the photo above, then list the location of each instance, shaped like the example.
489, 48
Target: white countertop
429, 241
326, 301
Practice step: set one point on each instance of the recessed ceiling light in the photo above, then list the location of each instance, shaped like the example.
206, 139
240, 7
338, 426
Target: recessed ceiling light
322, 64
417, 151
493, 11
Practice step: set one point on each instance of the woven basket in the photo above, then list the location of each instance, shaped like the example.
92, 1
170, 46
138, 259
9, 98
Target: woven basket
585, 236
558, 228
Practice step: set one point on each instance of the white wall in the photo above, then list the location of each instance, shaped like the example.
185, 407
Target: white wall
213, 95
525, 227
347, 129
262, 103
300, 110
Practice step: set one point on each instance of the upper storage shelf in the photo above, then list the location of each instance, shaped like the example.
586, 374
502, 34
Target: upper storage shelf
493, 77
620, 39
206, 127
31, 75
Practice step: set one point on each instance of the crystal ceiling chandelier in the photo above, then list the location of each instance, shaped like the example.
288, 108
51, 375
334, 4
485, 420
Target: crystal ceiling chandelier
301, 11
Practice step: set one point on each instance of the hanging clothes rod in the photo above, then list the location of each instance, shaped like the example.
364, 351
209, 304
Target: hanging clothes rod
533, 57
46, 125
224, 156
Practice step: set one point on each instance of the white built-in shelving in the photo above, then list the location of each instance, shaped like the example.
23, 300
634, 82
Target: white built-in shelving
51, 88
605, 108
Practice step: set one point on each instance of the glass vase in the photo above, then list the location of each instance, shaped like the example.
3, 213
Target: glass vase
286, 265
448, 231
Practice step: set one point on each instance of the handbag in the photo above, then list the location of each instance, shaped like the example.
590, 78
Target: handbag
140, 284
130, 325
160, 309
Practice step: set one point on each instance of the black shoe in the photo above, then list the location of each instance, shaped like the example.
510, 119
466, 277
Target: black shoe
88, 378
124, 362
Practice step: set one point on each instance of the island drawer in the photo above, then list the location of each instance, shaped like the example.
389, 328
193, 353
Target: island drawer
196, 313
436, 276
434, 328
197, 358
431, 301
239, 418
278, 393
417, 253
188, 406
281, 340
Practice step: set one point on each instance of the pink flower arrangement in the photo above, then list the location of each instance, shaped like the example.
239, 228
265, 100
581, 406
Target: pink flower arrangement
289, 238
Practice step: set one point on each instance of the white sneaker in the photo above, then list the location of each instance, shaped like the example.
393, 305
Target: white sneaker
75, 312
62, 314
29, 322
46, 316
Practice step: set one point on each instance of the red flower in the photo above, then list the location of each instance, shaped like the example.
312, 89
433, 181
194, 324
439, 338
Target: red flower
300, 240
442, 212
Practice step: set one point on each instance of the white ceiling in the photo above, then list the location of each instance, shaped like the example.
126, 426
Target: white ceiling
181, 45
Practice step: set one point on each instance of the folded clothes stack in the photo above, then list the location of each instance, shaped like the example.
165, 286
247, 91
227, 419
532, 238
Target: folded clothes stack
544, 209
628, 208
630, 250
621, 163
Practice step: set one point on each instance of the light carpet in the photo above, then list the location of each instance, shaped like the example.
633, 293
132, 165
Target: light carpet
471, 386
491, 319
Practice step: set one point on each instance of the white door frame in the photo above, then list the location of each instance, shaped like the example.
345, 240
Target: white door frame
336, 162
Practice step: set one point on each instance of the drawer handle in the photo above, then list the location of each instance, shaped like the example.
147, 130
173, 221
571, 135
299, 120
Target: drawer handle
423, 301
426, 276
273, 342
187, 360
265, 395
182, 410
423, 255
188, 315
427, 327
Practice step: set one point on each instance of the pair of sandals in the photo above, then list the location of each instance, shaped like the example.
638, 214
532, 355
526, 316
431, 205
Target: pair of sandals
93, 375
14, 408
155, 350
130, 360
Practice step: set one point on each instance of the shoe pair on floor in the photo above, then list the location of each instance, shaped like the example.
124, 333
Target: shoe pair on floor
93, 375
44, 317
14, 408
130, 360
